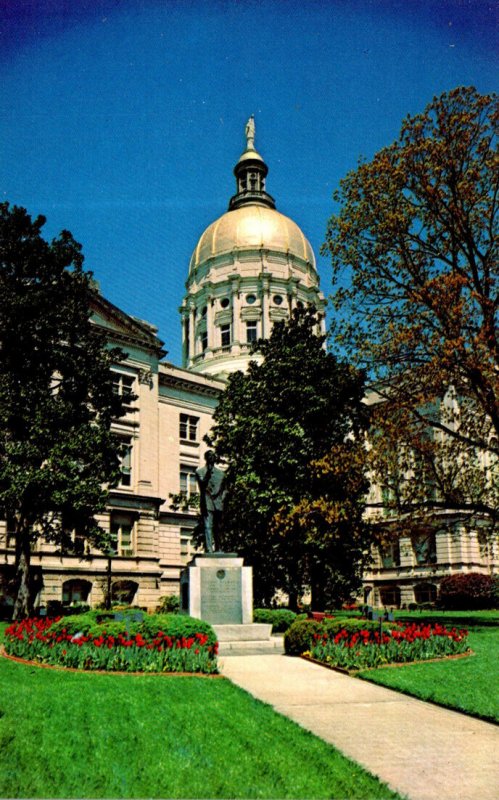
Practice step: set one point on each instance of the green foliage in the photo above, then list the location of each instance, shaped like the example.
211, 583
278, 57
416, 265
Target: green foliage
414, 258
469, 591
280, 618
295, 480
57, 403
176, 626
170, 604
300, 636
94, 623
160, 643
370, 648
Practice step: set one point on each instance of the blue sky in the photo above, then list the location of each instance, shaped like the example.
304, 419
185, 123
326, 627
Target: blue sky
121, 120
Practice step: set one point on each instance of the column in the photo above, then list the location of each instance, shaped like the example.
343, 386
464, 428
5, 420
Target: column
192, 330
265, 307
236, 311
209, 323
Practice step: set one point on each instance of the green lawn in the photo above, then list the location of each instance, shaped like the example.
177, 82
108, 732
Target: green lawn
467, 684
85, 735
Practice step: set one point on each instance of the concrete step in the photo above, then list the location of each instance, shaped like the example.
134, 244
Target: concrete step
256, 631
271, 647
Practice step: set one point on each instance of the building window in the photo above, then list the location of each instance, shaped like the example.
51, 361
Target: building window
75, 591
185, 545
390, 555
425, 549
390, 596
277, 300
126, 462
425, 593
188, 482
225, 302
79, 543
203, 338
122, 534
124, 591
250, 299
251, 335
188, 429
225, 335
123, 386
10, 533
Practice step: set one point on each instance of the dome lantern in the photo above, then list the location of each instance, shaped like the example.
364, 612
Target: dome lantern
251, 171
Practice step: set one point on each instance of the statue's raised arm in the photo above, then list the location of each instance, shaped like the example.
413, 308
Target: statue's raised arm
250, 133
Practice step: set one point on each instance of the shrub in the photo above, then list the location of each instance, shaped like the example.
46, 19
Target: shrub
468, 592
299, 637
170, 604
279, 618
157, 643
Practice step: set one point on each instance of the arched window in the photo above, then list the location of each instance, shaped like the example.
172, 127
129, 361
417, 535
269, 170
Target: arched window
390, 596
425, 593
124, 591
75, 591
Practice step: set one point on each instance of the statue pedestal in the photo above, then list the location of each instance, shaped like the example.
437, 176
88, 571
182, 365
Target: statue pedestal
217, 588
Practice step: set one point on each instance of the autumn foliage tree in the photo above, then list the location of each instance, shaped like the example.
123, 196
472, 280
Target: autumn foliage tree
57, 451
415, 265
296, 473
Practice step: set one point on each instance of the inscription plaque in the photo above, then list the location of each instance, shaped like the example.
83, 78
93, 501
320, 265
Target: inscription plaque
221, 596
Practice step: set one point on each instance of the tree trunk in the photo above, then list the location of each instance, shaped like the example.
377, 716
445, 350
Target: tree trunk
23, 606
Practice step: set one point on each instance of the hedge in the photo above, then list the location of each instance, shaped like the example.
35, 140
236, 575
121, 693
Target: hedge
279, 618
468, 592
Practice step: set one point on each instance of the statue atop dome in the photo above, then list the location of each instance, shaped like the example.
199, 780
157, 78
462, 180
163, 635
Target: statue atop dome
250, 133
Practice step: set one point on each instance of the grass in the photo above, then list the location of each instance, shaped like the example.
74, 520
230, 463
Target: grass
83, 735
466, 684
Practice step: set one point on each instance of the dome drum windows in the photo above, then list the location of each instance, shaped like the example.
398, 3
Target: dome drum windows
251, 331
225, 336
203, 340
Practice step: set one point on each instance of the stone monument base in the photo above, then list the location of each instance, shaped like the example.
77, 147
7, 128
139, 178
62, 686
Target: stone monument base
217, 588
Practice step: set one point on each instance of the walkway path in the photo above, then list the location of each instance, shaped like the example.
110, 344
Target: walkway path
420, 750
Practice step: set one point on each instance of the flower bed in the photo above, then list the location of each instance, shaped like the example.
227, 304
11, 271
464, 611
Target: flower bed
161, 643
370, 648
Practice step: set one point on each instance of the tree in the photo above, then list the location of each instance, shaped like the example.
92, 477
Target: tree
414, 255
295, 478
57, 451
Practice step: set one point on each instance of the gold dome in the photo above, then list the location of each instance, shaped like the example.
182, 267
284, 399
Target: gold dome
252, 227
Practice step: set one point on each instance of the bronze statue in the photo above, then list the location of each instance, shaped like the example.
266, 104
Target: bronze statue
210, 480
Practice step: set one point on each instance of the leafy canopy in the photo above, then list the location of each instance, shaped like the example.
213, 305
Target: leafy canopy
56, 397
414, 255
285, 430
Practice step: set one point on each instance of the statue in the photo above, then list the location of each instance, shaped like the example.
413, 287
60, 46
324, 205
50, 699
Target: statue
250, 133
210, 481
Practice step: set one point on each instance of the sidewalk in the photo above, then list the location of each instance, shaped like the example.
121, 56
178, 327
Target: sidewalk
420, 750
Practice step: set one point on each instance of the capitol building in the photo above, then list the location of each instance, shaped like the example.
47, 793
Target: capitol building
250, 268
